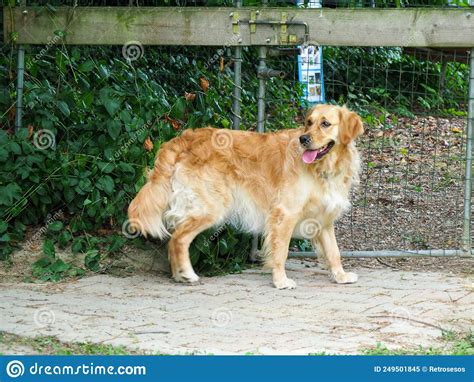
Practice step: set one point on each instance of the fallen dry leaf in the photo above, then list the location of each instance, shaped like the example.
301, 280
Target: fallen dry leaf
190, 97
30, 131
174, 123
148, 144
221, 64
12, 113
104, 231
204, 83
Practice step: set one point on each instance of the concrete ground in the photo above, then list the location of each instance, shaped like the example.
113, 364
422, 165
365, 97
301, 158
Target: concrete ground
242, 313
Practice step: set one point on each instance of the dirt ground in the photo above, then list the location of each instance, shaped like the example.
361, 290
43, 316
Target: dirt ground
402, 304
411, 190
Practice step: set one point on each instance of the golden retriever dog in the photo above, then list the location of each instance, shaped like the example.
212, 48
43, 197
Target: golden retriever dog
290, 183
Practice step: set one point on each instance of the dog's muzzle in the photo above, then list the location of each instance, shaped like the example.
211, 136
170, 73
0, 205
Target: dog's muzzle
305, 140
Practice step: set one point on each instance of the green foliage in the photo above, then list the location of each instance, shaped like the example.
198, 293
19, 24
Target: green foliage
220, 251
48, 345
51, 268
457, 344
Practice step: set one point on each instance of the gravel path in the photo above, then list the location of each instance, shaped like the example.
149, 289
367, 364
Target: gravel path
236, 314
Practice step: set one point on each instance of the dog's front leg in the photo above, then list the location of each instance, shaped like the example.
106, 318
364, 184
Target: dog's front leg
327, 244
277, 241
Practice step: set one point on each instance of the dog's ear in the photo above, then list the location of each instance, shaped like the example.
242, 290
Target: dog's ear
350, 128
310, 111
308, 114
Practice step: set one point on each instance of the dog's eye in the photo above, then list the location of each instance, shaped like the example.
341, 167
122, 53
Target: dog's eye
309, 122
325, 124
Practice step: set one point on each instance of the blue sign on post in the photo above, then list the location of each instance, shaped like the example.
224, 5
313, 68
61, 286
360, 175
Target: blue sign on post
310, 66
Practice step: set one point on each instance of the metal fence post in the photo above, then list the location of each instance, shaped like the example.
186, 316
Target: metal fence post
237, 93
20, 75
262, 65
467, 238
262, 56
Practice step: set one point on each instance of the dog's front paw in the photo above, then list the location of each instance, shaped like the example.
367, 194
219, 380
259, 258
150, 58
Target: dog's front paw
345, 277
186, 277
284, 283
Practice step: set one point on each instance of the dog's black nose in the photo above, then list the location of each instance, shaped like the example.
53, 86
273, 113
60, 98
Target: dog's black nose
305, 140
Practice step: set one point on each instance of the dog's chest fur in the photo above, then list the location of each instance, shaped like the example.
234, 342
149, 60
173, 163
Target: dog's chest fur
327, 196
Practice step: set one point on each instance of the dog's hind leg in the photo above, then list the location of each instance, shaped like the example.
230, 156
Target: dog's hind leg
277, 241
178, 246
328, 249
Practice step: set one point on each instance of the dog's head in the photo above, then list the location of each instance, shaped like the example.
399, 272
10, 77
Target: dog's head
326, 127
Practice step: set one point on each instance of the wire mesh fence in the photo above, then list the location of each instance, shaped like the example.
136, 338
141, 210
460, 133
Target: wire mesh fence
414, 104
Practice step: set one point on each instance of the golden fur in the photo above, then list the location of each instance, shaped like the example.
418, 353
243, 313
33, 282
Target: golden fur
259, 183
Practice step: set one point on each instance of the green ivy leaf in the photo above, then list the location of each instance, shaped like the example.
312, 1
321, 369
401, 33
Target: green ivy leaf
106, 167
3, 226
110, 100
9, 194
106, 183
64, 108
64, 238
59, 266
3, 154
5, 238
117, 243
104, 73
86, 66
203, 244
78, 245
55, 226
15, 148
76, 272
92, 260
43, 262
223, 248
113, 128
48, 249
179, 108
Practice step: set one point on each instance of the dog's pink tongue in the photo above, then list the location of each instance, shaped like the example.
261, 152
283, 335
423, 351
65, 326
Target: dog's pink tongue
309, 156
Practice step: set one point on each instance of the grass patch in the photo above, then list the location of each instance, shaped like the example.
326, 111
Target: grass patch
456, 344
52, 346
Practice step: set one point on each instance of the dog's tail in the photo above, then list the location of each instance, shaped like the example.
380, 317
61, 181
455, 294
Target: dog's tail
145, 212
